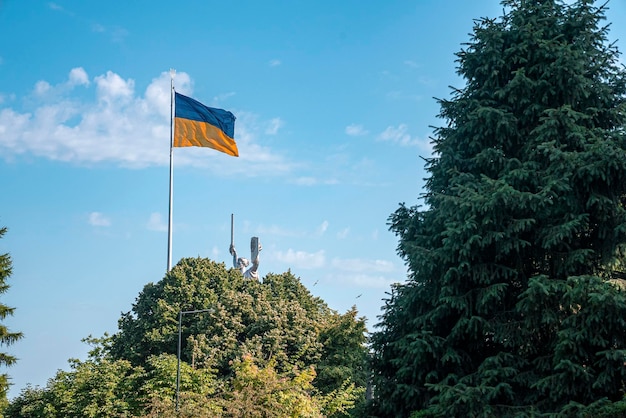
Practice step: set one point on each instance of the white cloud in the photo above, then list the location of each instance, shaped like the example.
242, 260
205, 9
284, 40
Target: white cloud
362, 265
356, 130
273, 126
46, 92
98, 219
222, 97
112, 87
276, 230
115, 34
125, 127
364, 272
78, 77
274, 63
343, 234
322, 228
301, 259
42, 87
399, 135
365, 280
156, 223
305, 181
313, 181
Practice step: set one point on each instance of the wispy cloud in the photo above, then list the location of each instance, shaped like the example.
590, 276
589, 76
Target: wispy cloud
301, 259
366, 280
55, 6
220, 98
397, 135
356, 130
313, 181
322, 228
273, 126
275, 63
279, 231
400, 135
343, 234
119, 125
365, 272
115, 33
362, 265
98, 219
305, 181
156, 223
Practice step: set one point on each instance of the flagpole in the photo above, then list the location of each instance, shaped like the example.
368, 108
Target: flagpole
169, 224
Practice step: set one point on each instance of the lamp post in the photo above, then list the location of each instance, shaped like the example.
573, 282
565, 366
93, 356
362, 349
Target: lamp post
180, 326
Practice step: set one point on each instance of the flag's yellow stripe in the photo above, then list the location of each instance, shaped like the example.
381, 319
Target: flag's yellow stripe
191, 133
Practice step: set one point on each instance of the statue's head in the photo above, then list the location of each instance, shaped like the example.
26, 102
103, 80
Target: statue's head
242, 262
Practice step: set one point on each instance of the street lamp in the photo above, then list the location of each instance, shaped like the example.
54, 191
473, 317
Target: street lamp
180, 326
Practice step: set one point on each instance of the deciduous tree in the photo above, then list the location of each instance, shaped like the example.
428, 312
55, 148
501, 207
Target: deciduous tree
251, 349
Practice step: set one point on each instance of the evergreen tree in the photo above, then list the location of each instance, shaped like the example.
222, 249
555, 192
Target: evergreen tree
513, 305
6, 337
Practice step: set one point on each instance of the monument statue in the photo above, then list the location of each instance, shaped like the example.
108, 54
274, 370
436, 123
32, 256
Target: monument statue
242, 263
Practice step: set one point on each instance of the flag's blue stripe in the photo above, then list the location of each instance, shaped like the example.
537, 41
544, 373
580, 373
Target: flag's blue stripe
188, 108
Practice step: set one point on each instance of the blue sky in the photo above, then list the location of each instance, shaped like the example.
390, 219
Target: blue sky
334, 105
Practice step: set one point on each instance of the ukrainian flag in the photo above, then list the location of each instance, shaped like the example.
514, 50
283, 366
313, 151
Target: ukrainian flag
197, 125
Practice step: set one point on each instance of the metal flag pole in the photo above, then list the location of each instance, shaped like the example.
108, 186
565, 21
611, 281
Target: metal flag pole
169, 224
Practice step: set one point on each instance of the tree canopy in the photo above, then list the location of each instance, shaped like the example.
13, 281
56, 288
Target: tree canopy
266, 349
513, 305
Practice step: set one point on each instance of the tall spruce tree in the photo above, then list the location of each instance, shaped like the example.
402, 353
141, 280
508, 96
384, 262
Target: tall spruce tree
513, 305
7, 337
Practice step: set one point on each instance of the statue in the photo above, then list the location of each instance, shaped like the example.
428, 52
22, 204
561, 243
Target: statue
242, 263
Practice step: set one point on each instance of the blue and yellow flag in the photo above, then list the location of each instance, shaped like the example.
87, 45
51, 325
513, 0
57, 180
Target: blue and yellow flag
197, 125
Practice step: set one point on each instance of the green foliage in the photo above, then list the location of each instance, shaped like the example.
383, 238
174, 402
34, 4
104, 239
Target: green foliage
262, 392
343, 364
99, 386
511, 307
31, 403
6, 336
254, 349
277, 318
